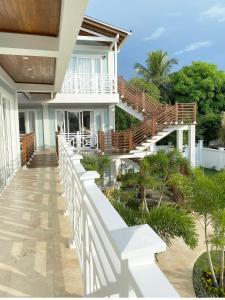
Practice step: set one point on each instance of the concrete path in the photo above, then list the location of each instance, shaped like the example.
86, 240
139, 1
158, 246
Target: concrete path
35, 260
178, 261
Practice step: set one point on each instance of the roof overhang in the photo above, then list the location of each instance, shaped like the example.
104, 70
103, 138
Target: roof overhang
35, 52
93, 30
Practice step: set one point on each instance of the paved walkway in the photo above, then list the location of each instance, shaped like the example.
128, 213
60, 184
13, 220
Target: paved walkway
178, 261
35, 259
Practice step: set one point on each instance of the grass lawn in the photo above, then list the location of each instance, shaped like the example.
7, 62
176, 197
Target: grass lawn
201, 265
209, 172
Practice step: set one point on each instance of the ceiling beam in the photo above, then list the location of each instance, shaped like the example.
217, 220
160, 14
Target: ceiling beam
28, 45
91, 48
31, 87
95, 38
28, 95
91, 31
72, 13
7, 79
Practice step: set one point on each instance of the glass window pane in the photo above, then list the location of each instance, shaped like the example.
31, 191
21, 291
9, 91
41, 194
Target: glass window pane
22, 122
74, 125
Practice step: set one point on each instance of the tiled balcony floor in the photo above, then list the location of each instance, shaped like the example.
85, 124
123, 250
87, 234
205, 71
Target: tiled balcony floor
35, 259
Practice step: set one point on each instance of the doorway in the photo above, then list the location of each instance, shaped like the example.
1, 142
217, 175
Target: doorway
75, 121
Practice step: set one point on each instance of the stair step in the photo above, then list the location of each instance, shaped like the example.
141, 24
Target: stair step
140, 148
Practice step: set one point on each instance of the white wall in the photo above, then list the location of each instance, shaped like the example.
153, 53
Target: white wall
208, 158
9, 133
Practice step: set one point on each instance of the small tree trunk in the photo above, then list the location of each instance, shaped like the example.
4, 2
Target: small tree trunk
209, 254
222, 269
161, 194
142, 192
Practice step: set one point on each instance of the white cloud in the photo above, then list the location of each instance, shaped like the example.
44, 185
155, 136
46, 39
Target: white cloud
156, 34
216, 12
194, 46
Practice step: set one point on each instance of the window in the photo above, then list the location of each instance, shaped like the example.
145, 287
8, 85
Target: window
22, 123
85, 65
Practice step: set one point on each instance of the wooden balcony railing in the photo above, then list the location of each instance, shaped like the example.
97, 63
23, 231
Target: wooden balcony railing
27, 143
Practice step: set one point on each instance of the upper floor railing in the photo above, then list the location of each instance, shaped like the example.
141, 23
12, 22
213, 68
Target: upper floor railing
27, 145
81, 83
115, 260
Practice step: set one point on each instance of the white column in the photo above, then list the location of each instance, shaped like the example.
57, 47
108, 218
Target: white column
115, 168
16, 134
200, 153
45, 125
180, 138
112, 125
191, 144
27, 121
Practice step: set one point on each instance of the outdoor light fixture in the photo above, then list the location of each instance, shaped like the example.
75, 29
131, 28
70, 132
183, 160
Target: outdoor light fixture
29, 69
25, 57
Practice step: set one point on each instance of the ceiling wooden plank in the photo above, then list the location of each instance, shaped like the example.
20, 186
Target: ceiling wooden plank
40, 17
34, 69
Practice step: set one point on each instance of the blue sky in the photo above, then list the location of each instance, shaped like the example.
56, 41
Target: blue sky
190, 30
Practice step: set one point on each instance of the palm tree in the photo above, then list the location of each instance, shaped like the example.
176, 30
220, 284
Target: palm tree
157, 70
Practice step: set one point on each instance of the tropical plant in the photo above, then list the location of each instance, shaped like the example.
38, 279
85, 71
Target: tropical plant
168, 220
161, 167
157, 70
171, 221
206, 195
97, 163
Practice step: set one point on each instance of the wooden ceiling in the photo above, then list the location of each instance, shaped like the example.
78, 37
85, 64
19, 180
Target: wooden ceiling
40, 17
33, 69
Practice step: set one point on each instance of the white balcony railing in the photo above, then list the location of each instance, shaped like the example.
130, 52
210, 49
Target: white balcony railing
78, 83
81, 140
115, 260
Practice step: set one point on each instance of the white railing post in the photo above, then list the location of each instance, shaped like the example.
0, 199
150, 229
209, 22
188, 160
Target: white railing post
87, 179
137, 247
76, 158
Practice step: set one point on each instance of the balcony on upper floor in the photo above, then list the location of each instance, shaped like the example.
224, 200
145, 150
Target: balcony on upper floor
86, 83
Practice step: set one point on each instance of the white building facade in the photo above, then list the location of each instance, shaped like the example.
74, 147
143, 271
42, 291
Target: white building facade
86, 102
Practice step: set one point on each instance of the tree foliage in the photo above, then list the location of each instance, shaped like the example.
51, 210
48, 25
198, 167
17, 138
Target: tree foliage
206, 196
202, 83
157, 70
149, 87
167, 219
96, 163
170, 221
124, 120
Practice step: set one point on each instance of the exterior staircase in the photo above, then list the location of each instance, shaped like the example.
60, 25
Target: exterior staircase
157, 121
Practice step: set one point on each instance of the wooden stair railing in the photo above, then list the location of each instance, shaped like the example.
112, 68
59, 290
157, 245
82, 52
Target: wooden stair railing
157, 116
27, 144
127, 140
137, 98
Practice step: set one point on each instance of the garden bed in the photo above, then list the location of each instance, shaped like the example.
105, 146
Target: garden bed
202, 280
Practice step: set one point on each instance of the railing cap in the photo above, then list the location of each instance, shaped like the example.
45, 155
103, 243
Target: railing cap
89, 175
77, 157
137, 241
